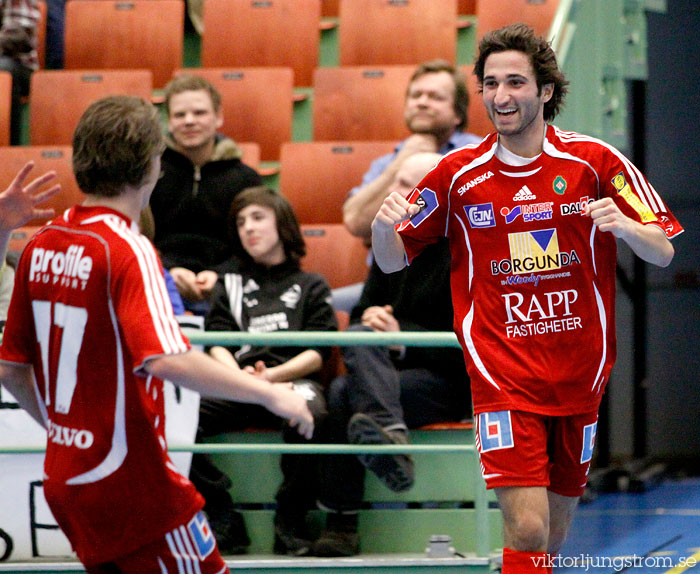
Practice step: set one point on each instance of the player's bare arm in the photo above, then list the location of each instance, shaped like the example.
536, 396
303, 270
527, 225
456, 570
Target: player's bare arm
199, 372
19, 380
223, 355
649, 242
307, 362
386, 243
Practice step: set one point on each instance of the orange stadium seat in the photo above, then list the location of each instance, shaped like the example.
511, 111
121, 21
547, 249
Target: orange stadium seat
57, 98
360, 102
5, 107
493, 15
331, 251
45, 158
251, 154
466, 7
282, 33
316, 176
330, 8
257, 104
385, 32
20, 237
125, 34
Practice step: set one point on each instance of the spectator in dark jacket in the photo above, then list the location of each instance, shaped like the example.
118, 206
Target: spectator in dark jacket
201, 175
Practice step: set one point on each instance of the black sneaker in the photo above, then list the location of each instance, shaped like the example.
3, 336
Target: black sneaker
230, 532
394, 470
335, 544
292, 536
339, 538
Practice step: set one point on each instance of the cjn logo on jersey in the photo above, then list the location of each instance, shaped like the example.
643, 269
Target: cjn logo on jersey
495, 431
428, 202
480, 215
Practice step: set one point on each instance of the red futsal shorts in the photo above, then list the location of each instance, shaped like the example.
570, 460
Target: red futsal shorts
518, 448
189, 548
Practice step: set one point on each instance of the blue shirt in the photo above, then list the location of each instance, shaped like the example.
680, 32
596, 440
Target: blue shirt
377, 167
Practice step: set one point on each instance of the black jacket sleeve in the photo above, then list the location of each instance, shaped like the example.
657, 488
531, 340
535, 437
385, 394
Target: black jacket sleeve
318, 312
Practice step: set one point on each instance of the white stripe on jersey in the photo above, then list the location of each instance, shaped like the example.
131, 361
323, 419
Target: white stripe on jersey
644, 189
469, 250
164, 313
190, 560
592, 244
520, 174
117, 453
477, 440
467, 334
481, 160
550, 150
163, 569
168, 332
155, 268
604, 325
189, 548
175, 552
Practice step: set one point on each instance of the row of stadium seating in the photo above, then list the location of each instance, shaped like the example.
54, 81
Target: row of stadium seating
141, 33
347, 103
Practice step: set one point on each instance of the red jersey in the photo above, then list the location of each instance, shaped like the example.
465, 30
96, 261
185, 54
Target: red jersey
533, 282
90, 307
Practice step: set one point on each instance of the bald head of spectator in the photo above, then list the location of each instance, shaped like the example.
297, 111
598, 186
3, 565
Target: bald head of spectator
412, 171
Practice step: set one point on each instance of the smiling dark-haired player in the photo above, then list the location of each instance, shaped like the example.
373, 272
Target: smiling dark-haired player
532, 215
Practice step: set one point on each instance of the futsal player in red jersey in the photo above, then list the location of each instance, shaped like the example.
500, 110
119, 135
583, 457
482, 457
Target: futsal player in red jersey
89, 339
532, 214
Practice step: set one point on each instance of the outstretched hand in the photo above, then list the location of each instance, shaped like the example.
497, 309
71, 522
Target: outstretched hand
18, 203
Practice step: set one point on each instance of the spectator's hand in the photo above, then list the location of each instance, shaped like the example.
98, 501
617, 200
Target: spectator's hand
291, 405
206, 281
418, 143
260, 371
380, 319
14, 40
395, 209
18, 204
606, 216
186, 283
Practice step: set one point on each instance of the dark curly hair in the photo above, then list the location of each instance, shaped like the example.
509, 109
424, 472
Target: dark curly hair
521, 38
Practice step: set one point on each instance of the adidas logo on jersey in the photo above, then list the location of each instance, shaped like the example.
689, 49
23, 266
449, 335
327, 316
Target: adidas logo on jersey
524, 194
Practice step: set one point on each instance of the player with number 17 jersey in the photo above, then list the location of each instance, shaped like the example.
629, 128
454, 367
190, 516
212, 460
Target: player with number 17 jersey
105, 418
533, 281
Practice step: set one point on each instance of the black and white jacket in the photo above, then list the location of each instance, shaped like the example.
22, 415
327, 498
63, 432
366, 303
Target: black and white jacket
254, 298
